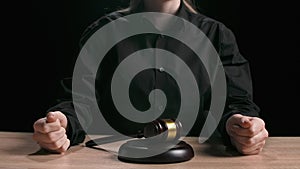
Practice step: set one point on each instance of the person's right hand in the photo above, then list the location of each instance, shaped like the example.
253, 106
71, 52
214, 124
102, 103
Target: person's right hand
50, 132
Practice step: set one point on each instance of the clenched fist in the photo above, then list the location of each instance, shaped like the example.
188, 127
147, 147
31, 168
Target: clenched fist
50, 132
247, 134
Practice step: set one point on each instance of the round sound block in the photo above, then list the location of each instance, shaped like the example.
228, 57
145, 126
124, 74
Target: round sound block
138, 151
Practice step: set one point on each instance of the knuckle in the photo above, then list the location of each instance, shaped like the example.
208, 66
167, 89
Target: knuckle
44, 128
38, 123
244, 150
260, 150
67, 145
51, 137
251, 132
35, 124
55, 145
64, 148
63, 130
262, 123
250, 142
266, 134
263, 143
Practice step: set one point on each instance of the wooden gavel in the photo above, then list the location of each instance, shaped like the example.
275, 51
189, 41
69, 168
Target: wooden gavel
160, 130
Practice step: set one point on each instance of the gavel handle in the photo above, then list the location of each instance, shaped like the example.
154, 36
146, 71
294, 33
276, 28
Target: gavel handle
110, 139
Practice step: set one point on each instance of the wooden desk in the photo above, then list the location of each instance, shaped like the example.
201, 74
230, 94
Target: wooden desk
19, 151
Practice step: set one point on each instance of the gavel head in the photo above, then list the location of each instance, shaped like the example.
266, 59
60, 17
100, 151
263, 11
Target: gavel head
163, 129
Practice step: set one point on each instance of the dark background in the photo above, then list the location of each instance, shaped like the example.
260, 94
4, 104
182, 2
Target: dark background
40, 46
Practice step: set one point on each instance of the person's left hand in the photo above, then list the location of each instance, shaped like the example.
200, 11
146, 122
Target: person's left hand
247, 134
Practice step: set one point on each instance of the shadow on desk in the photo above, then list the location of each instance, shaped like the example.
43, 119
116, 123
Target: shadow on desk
22, 144
219, 150
214, 147
17, 144
40, 154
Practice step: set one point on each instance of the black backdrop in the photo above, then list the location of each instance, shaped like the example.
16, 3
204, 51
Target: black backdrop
40, 46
